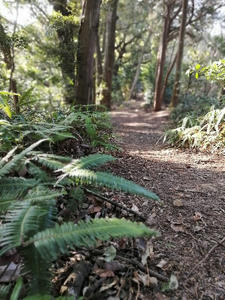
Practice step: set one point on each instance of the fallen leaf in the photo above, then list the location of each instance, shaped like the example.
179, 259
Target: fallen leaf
162, 263
104, 273
173, 283
177, 227
148, 253
94, 209
178, 203
197, 216
135, 208
160, 296
108, 286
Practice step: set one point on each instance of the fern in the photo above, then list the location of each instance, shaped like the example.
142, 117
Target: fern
8, 167
4, 291
20, 222
55, 241
88, 162
109, 180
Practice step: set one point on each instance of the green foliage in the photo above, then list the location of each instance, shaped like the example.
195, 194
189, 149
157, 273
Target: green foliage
209, 133
52, 242
214, 72
28, 211
93, 127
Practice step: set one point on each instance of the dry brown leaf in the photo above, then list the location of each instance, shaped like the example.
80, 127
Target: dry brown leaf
178, 203
162, 263
94, 209
197, 216
104, 273
177, 227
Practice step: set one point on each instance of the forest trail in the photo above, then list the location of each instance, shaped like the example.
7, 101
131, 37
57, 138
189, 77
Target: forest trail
192, 218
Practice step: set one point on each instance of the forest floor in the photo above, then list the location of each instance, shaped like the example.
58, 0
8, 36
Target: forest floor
191, 219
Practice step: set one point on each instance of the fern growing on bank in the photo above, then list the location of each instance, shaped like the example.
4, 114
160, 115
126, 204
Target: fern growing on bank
28, 208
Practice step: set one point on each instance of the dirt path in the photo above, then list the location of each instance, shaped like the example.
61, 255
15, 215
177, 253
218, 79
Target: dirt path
192, 218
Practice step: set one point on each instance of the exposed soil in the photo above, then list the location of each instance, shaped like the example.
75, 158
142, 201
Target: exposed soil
192, 218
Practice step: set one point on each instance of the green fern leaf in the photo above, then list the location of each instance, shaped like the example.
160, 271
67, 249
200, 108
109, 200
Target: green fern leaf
12, 189
55, 241
111, 181
5, 159
88, 162
21, 221
8, 167
17, 289
52, 164
4, 291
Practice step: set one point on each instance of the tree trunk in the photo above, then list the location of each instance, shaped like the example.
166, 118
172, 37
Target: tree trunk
176, 87
5, 48
139, 65
161, 61
109, 52
67, 51
86, 49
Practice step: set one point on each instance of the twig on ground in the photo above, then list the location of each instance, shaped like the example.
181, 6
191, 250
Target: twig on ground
205, 258
136, 264
102, 198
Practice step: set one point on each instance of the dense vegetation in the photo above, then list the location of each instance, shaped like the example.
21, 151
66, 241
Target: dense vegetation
60, 73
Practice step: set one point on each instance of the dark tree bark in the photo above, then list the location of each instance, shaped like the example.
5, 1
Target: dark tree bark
65, 35
86, 49
161, 59
176, 88
8, 55
109, 52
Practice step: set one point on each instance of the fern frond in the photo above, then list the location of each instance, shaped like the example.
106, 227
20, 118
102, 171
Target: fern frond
88, 162
21, 221
12, 189
8, 167
50, 163
5, 159
55, 241
38, 269
64, 159
38, 173
111, 181
4, 291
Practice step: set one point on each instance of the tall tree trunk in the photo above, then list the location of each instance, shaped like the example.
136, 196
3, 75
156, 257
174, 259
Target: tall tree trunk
109, 52
98, 61
134, 83
176, 87
65, 35
86, 49
161, 61
8, 54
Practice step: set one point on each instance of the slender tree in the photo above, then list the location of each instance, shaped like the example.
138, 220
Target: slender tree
169, 17
109, 52
86, 49
179, 56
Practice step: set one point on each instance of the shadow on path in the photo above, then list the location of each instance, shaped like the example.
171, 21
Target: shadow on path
192, 188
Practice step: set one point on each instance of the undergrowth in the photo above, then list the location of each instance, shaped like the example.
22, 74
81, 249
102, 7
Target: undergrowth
33, 182
199, 123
